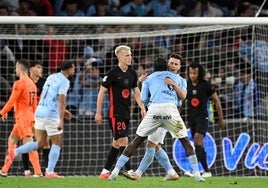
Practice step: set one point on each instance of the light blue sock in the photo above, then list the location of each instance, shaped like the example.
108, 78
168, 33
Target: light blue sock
53, 157
122, 160
163, 159
194, 163
26, 148
147, 159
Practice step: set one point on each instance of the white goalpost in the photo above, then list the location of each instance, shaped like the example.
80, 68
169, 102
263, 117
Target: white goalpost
111, 20
228, 47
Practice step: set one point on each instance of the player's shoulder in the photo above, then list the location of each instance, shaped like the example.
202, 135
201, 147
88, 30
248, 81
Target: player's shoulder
25, 80
179, 76
152, 75
112, 72
172, 75
204, 82
51, 76
60, 76
131, 72
130, 69
113, 69
42, 79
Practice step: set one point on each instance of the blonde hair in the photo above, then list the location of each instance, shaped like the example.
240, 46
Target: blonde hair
121, 48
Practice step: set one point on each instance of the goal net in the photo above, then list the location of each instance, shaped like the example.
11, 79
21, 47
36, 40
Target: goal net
235, 57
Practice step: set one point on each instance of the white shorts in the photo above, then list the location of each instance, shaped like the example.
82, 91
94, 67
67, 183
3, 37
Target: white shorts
48, 125
164, 115
158, 136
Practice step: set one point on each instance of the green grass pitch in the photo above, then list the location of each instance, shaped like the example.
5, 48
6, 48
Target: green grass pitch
122, 182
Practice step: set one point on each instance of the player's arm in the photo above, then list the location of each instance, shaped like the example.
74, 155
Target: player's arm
16, 91
145, 94
100, 99
218, 106
62, 109
180, 91
140, 80
35, 101
137, 96
3, 117
67, 115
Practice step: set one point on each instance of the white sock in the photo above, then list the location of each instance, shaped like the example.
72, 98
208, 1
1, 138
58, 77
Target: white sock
171, 172
115, 171
138, 172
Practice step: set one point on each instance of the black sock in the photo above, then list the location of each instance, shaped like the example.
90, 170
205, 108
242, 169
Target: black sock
127, 165
25, 161
45, 156
202, 157
111, 158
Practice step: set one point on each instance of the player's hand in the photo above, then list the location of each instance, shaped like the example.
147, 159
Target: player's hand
98, 118
60, 126
143, 113
142, 78
67, 115
169, 81
3, 117
221, 123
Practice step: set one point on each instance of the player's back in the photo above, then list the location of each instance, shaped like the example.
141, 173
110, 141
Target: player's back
55, 85
26, 102
159, 92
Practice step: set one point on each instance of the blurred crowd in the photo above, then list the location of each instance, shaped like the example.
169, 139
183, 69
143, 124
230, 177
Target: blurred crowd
204, 8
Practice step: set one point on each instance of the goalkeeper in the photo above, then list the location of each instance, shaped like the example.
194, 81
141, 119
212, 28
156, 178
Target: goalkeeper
49, 119
35, 72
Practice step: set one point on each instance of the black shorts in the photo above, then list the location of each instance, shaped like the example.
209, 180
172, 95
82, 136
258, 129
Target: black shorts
199, 124
119, 127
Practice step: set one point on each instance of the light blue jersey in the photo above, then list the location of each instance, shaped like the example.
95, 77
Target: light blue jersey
183, 86
154, 89
55, 85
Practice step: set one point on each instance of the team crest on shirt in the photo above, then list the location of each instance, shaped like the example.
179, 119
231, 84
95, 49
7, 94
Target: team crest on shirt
125, 93
195, 102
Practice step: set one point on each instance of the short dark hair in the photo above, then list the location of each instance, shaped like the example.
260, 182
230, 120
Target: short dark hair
35, 62
66, 65
176, 56
160, 64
